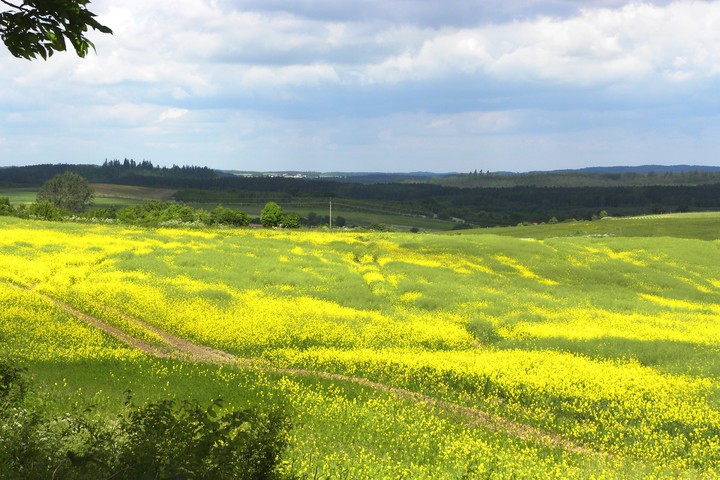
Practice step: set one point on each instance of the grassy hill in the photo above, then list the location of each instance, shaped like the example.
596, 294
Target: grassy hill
700, 225
564, 353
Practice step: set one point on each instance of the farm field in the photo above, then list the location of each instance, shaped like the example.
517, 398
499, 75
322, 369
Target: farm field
19, 195
698, 225
105, 195
575, 354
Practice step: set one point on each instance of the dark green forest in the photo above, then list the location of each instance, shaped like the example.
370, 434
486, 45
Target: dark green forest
482, 206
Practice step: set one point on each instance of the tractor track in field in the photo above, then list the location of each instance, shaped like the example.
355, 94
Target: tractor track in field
180, 348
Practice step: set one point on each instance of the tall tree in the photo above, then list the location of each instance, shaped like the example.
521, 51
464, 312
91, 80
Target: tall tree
40, 27
68, 191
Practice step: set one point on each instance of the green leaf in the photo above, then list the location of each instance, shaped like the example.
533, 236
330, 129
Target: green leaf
41, 27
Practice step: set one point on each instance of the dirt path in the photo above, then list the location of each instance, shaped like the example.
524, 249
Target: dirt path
183, 349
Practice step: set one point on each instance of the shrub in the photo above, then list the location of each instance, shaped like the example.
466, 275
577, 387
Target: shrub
187, 441
271, 215
5, 208
108, 213
159, 440
13, 386
291, 220
378, 227
227, 216
45, 211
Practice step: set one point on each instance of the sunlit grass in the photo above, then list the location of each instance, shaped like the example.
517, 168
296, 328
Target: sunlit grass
701, 225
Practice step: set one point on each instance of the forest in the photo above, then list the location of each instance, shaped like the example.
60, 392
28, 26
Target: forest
532, 198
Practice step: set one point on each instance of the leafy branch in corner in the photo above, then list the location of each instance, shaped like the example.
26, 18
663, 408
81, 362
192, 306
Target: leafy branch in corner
41, 27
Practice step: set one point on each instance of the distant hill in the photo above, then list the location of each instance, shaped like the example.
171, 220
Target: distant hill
620, 176
644, 169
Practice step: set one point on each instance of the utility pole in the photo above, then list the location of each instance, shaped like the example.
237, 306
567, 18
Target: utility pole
331, 214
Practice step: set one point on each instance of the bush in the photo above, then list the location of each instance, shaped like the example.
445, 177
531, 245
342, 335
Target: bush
109, 213
378, 227
159, 440
291, 220
45, 211
13, 386
153, 214
227, 216
271, 215
187, 441
5, 208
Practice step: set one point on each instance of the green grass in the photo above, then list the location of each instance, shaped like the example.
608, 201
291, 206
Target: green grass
103, 197
19, 195
701, 225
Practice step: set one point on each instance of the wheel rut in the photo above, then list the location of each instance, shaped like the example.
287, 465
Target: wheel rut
178, 347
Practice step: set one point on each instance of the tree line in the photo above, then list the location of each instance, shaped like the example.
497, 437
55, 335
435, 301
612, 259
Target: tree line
68, 196
477, 206
126, 171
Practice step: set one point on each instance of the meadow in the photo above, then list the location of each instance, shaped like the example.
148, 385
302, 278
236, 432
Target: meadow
579, 354
105, 195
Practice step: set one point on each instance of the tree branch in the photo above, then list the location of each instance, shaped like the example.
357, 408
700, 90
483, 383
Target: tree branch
39, 28
12, 5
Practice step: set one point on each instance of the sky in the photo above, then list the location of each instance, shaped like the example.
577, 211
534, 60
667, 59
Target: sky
375, 85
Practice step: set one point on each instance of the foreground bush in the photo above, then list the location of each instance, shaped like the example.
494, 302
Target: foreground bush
159, 440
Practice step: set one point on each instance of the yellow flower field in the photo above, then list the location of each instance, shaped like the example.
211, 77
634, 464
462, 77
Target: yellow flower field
610, 343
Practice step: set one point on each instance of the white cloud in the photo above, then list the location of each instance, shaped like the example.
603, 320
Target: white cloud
631, 44
263, 76
172, 114
471, 123
192, 45
313, 80
126, 113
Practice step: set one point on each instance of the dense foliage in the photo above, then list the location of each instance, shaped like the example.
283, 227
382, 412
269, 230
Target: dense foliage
272, 216
40, 28
67, 191
150, 213
159, 440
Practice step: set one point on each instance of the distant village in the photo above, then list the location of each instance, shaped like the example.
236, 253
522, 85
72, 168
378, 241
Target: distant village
297, 175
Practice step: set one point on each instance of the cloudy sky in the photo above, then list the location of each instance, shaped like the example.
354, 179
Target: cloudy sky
376, 85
